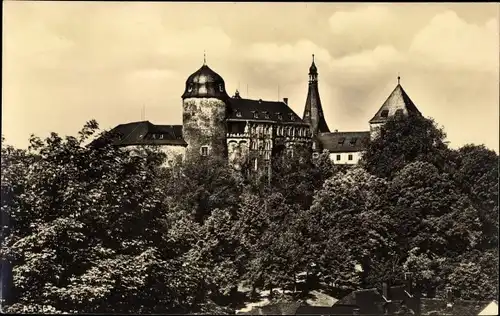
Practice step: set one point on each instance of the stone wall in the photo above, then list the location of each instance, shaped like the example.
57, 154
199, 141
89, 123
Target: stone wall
204, 124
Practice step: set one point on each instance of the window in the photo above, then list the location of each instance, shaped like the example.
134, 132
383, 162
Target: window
190, 88
349, 157
238, 113
307, 114
399, 112
255, 115
204, 150
384, 113
221, 88
353, 141
256, 164
161, 136
266, 115
292, 117
338, 157
279, 116
341, 141
315, 155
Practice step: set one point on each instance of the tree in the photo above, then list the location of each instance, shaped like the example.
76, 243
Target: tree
430, 212
347, 226
476, 175
403, 140
203, 184
88, 229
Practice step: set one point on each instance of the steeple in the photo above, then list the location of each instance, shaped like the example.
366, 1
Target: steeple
313, 112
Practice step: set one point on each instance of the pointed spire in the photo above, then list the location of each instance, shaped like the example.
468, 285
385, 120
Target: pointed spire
313, 111
204, 58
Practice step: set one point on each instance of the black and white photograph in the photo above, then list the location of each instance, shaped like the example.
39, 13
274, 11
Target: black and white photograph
250, 158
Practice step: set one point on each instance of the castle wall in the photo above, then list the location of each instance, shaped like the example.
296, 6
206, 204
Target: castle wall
204, 126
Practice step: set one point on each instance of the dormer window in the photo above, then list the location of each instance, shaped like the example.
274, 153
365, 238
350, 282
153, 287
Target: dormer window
292, 117
353, 141
384, 113
255, 115
238, 113
221, 88
280, 117
190, 88
399, 112
266, 115
161, 136
307, 114
341, 141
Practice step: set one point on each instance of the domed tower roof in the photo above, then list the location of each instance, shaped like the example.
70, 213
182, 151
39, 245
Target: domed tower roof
205, 83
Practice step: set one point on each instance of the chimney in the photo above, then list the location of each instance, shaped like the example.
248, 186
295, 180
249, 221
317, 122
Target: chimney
409, 281
285, 100
449, 296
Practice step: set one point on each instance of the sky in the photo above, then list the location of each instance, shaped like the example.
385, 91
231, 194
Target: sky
65, 63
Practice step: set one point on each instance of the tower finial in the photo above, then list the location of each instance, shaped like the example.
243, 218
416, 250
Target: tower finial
399, 78
204, 57
313, 57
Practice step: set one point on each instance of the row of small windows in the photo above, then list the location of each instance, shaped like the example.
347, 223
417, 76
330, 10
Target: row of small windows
385, 113
266, 115
352, 141
339, 157
190, 88
280, 131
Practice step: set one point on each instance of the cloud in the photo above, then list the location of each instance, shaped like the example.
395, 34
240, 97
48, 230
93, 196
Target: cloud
286, 53
368, 60
364, 19
450, 41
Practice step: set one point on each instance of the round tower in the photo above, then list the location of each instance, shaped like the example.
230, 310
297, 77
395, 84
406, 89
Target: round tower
204, 113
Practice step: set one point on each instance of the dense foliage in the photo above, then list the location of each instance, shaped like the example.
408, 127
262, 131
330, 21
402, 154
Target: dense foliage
95, 228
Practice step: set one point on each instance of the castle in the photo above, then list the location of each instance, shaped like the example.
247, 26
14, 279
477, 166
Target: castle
252, 131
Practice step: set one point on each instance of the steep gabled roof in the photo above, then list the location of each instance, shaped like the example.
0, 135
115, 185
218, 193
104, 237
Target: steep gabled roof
343, 142
397, 100
146, 133
260, 110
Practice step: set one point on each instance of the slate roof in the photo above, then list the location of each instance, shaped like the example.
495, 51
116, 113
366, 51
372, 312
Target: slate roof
146, 133
371, 301
205, 83
397, 100
267, 111
313, 110
344, 141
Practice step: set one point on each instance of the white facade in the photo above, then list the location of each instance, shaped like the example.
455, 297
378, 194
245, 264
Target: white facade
345, 158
